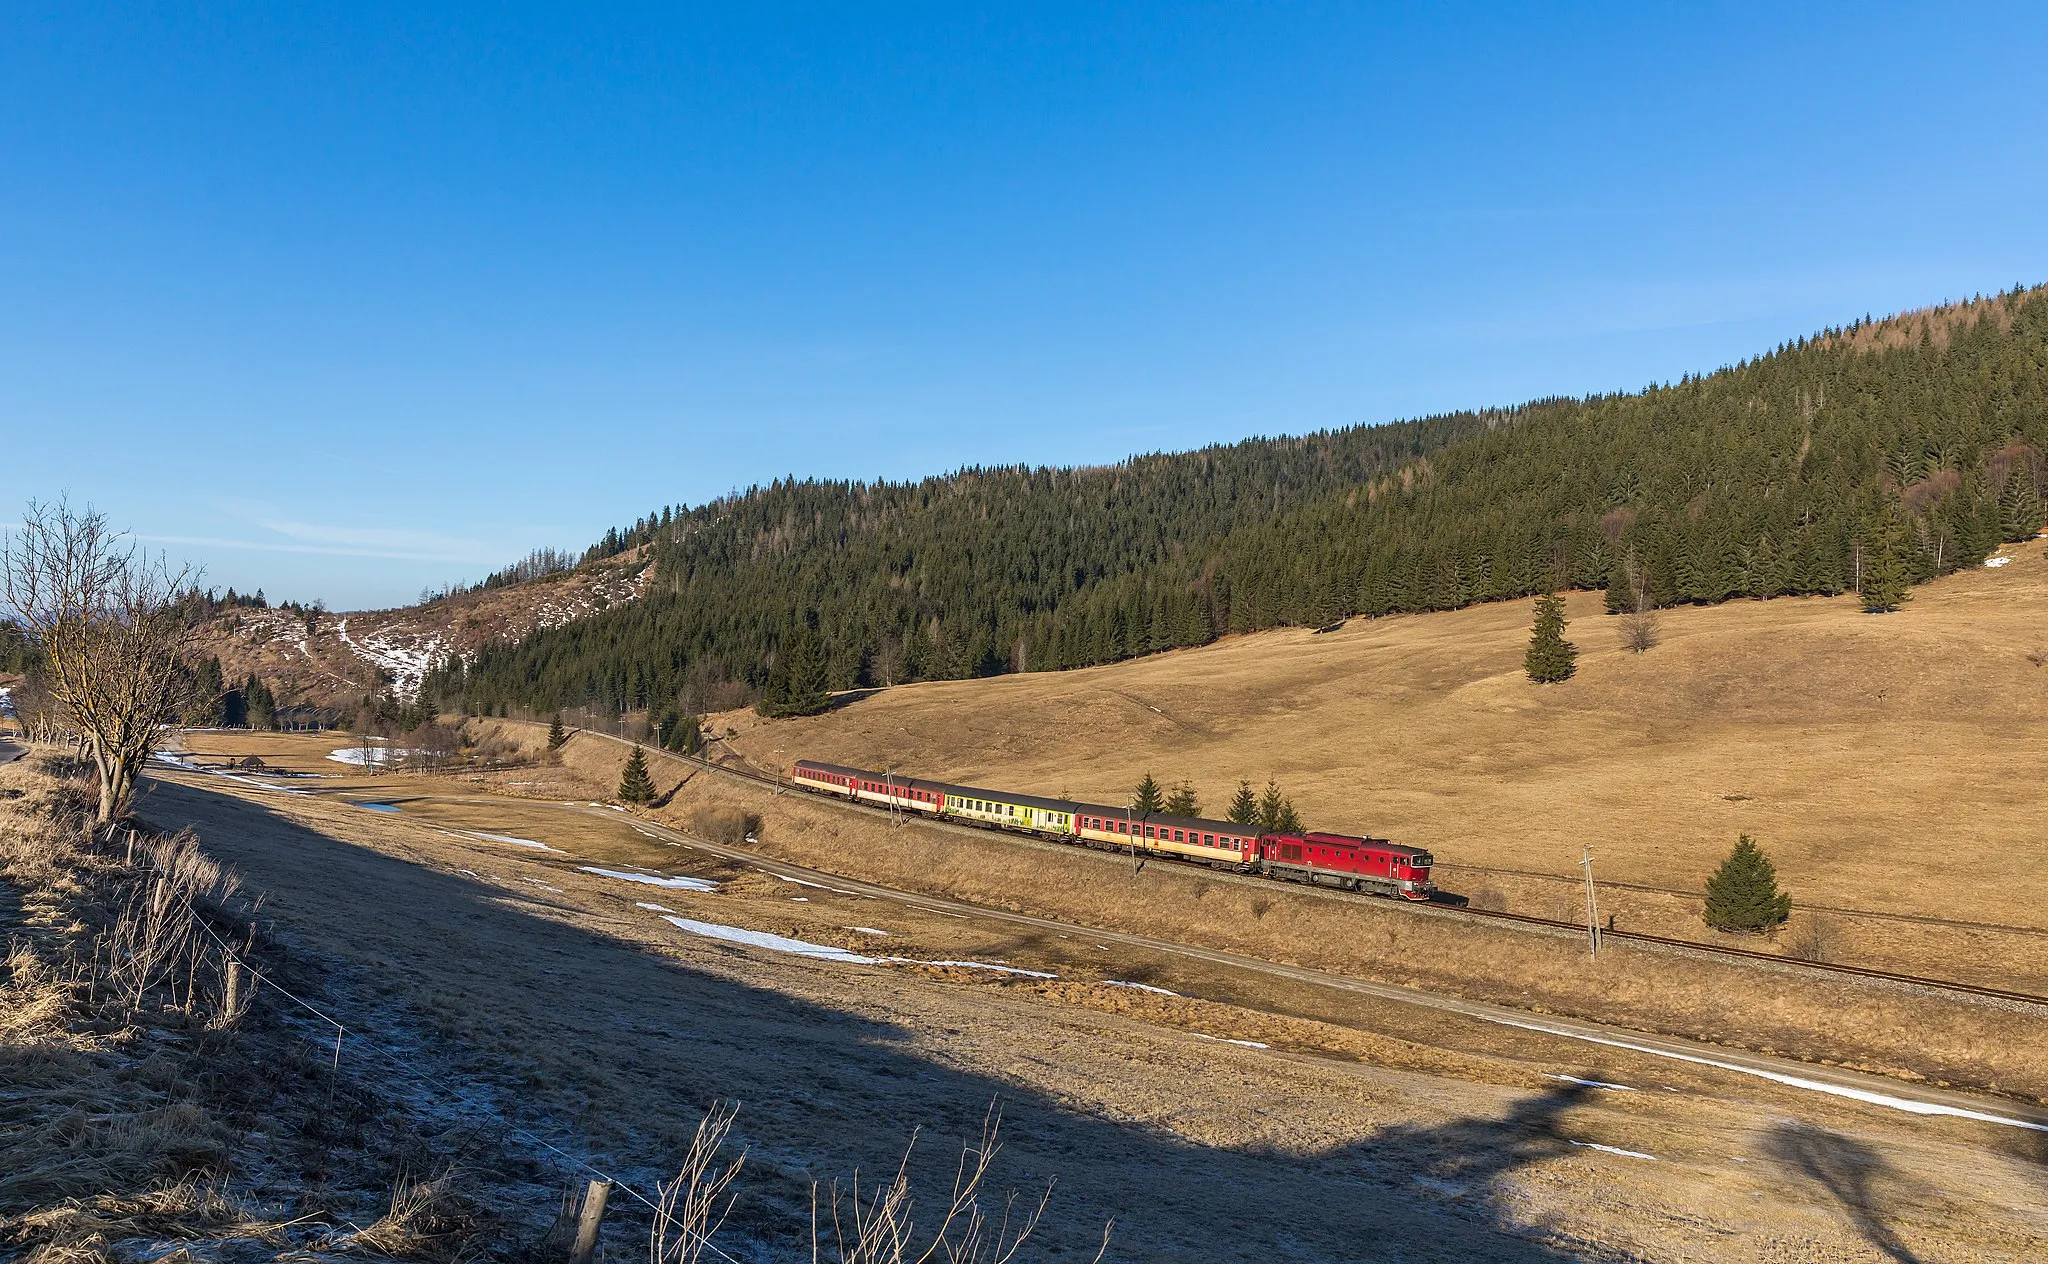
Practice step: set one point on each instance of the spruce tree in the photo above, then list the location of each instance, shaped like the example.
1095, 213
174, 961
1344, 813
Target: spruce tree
557, 737
1743, 893
1885, 573
1276, 811
1244, 807
1182, 802
635, 786
262, 704
2019, 508
1148, 799
1550, 658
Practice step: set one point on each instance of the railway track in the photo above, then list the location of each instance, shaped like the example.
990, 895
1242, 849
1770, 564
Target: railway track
1924, 919
782, 785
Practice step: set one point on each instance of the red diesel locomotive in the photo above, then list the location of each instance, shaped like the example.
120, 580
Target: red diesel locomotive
1346, 861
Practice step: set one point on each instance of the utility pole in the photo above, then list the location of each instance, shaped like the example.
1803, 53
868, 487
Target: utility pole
1592, 907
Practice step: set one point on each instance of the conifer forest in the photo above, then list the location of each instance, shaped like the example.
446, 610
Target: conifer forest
1874, 455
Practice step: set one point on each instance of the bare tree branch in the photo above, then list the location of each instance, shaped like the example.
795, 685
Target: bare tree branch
112, 632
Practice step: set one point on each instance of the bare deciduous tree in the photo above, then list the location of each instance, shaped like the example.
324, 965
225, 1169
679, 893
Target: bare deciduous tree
1639, 623
113, 636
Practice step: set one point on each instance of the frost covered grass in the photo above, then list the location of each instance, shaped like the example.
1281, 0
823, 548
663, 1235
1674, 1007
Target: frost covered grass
138, 1042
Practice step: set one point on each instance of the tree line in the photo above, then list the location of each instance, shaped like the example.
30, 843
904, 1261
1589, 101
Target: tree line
1867, 458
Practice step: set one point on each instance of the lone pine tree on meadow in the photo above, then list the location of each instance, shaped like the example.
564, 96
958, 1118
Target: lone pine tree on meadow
557, 738
1147, 798
635, 786
1551, 658
1182, 802
1743, 894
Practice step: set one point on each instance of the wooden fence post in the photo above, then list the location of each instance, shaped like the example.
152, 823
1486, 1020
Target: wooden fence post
587, 1224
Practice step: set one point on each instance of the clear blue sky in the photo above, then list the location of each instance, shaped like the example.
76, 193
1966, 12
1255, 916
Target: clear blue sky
344, 301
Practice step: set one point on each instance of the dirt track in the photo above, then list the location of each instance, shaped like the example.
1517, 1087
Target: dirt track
553, 980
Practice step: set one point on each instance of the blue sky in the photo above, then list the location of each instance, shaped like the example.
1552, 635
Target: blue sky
346, 301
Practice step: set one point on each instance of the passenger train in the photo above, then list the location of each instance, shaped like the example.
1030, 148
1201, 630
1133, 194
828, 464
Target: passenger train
1346, 861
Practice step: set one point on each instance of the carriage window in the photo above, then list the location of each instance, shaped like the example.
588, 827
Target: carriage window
1180, 836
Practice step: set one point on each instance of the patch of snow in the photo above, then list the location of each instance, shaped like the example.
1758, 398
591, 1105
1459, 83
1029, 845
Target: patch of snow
1867, 1096
1997, 561
972, 965
374, 757
516, 842
379, 807
1573, 1079
406, 656
544, 886
1142, 987
869, 930
469, 873
1225, 1040
658, 908
178, 761
799, 899
1608, 1149
1435, 1186
653, 880
773, 943
818, 886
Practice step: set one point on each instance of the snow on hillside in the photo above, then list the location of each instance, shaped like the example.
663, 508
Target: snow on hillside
323, 658
402, 653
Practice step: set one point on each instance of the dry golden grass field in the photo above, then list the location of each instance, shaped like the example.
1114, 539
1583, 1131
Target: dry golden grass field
1428, 1135
1893, 764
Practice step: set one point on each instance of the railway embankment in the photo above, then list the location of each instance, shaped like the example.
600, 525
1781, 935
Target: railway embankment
1872, 1024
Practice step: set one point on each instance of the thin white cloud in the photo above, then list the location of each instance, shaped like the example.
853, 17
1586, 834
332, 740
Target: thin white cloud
264, 546
428, 545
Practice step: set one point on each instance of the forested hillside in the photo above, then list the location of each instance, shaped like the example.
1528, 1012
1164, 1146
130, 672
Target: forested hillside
1878, 453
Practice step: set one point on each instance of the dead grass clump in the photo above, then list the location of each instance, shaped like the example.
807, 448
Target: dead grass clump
1488, 896
131, 1081
723, 823
427, 1220
872, 1226
84, 1228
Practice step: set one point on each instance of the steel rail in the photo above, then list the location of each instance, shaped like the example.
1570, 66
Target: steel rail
1748, 954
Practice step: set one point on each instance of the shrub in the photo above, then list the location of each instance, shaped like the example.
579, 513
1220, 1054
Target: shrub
722, 823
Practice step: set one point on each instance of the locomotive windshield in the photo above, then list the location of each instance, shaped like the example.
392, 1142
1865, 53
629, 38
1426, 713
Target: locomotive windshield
1420, 860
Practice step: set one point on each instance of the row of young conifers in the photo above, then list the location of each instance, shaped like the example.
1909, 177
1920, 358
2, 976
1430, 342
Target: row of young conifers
1348, 861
